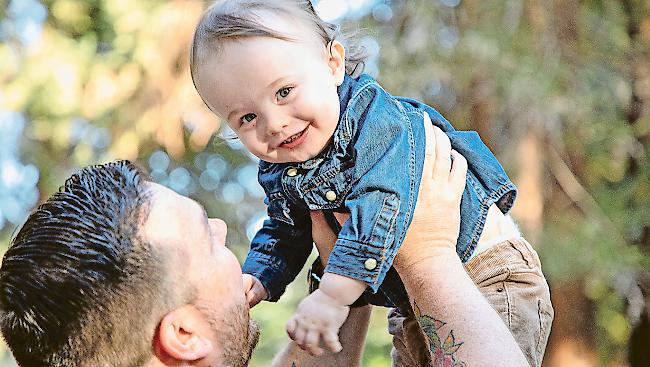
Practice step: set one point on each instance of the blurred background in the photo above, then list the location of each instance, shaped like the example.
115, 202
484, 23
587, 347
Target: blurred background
558, 89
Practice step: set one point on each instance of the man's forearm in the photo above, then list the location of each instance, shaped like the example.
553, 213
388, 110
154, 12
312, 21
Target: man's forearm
459, 322
352, 336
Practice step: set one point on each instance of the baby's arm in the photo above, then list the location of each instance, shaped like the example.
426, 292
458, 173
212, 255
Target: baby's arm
278, 252
321, 314
352, 336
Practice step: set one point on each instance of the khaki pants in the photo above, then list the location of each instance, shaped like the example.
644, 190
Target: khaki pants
510, 277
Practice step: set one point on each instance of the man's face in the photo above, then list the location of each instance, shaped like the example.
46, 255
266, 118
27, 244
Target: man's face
197, 258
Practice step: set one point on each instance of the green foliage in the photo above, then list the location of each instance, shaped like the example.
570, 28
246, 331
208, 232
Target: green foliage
570, 73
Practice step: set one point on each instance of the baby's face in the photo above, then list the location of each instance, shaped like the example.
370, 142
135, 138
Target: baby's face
280, 97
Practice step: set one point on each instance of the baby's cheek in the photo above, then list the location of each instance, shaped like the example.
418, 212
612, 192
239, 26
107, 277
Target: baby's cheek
253, 144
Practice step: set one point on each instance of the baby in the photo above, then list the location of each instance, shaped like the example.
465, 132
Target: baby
280, 76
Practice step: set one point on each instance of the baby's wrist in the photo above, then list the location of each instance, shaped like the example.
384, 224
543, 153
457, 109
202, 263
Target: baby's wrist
329, 299
343, 289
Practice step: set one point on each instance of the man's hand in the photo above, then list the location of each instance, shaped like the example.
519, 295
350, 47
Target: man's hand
436, 221
318, 317
254, 290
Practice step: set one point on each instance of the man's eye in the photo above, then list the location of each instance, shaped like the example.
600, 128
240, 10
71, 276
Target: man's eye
248, 117
284, 92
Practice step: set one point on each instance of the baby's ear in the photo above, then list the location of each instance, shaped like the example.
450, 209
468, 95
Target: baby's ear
336, 61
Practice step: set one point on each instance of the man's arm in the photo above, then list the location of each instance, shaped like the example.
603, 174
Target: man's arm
461, 326
459, 322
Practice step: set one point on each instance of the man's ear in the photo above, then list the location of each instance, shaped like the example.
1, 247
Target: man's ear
336, 60
182, 335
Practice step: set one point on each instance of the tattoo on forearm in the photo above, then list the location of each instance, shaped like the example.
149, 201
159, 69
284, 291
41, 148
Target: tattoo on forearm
443, 353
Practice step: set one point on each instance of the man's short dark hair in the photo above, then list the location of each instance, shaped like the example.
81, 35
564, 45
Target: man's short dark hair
78, 285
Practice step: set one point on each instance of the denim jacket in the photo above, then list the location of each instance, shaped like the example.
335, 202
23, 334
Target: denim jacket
372, 170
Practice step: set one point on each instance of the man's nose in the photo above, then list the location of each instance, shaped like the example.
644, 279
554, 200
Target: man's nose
218, 229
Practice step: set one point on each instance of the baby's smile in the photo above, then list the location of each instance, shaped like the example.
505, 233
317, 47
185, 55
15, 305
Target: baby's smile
295, 139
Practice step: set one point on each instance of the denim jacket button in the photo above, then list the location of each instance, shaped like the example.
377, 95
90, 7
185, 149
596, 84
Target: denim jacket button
330, 195
291, 172
370, 264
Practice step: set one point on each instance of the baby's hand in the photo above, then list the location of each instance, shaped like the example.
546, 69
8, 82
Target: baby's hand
254, 290
318, 316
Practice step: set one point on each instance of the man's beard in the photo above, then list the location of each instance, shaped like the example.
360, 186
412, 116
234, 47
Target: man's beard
237, 334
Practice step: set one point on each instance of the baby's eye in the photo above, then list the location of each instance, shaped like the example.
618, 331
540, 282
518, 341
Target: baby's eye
283, 93
248, 117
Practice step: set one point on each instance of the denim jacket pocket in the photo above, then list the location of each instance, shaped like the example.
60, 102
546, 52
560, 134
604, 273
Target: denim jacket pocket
329, 189
279, 208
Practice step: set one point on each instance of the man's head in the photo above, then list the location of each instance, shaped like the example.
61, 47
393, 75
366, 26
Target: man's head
114, 270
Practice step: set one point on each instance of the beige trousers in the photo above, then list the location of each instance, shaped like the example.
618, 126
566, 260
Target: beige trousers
510, 277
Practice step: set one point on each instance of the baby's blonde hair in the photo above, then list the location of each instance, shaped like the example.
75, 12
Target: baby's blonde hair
232, 19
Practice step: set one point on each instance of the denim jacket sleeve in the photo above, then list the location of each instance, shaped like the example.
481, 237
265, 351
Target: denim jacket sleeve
280, 249
384, 191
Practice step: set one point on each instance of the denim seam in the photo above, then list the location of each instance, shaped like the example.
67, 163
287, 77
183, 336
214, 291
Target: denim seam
356, 247
334, 269
485, 206
386, 244
383, 210
267, 259
347, 127
412, 199
480, 191
291, 192
341, 196
476, 234
315, 182
285, 216
498, 193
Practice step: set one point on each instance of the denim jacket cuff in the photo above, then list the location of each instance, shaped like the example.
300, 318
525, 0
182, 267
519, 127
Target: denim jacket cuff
358, 261
270, 276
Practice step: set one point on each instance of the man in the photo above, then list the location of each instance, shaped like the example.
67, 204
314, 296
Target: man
115, 270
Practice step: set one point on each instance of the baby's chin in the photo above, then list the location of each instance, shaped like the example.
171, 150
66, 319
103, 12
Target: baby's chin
291, 156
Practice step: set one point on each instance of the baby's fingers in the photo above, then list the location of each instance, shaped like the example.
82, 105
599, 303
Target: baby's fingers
291, 328
251, 298
299, 336
312, 342
332, 342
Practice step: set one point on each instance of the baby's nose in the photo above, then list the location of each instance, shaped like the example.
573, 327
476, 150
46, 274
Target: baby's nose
276, 127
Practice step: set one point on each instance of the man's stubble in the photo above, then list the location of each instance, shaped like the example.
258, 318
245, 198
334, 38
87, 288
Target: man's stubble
236, 332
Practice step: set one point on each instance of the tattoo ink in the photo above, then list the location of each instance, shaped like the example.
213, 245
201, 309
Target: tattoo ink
443, 353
